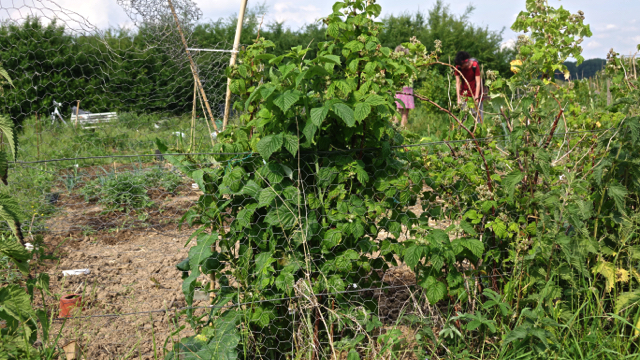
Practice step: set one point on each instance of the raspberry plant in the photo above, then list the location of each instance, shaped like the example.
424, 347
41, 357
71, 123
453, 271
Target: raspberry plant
304, 217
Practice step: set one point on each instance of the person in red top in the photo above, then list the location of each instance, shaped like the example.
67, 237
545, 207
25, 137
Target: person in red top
472, 86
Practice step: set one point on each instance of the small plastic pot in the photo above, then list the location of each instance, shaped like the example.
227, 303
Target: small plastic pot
68, 303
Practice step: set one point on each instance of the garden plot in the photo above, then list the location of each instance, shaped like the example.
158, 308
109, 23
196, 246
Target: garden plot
131, 257
133, 289
135, 274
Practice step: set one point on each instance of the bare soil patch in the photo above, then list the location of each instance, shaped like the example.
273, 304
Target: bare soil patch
133, 290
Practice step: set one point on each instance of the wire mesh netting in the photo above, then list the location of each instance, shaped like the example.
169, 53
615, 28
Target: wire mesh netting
58, 60
119, 218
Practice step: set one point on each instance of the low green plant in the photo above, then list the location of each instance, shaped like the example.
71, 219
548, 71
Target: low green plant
9, 208
9, 274
24, 324
158, 178
128, 191
553, 234
121, 192
308, 209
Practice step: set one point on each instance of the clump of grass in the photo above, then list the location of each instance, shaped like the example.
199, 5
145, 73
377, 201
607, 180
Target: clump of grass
129, 191
160, 178
123, 192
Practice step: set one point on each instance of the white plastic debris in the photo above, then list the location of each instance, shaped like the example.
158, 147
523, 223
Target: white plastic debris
76, 272
28, 246
200, 295
562, 177
178, 133
195, 186
156, 126
214, 135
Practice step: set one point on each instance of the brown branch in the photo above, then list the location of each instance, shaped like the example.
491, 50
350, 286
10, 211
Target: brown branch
553, 129
316, 340
555, 124
506, 119
453, 153
486, 166
260, 27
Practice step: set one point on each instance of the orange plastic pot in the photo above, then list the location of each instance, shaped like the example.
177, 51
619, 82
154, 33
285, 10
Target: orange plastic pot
68, 303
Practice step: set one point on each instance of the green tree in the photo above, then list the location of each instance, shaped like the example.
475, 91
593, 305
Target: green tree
114, 71
587, 69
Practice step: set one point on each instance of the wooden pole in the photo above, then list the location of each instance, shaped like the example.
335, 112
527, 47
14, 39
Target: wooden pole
38, 135
193, 118
193, 64
234, 55
77, 111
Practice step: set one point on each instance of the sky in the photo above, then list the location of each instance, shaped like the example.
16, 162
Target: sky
615, 23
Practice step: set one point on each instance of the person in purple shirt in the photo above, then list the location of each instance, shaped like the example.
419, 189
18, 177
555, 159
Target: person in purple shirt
405, 95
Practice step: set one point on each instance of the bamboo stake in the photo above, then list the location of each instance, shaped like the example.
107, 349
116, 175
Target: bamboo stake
234, 55
193, 64
77, 111
193, 118
38, 135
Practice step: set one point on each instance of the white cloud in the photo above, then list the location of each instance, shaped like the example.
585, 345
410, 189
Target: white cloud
76, 15
296, 13
636, 38
509, 44
593, 45
610, 26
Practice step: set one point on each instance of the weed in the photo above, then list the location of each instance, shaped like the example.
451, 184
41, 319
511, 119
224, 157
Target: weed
129, 190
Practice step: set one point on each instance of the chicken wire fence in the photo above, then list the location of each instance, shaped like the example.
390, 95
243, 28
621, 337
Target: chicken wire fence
116, 219
137, 76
